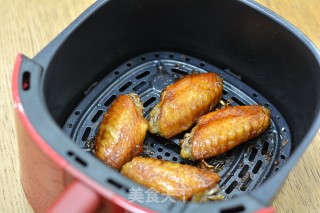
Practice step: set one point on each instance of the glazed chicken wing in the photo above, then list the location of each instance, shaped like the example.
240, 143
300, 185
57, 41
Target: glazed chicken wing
122, 131
222, 130
183, 102
174, 179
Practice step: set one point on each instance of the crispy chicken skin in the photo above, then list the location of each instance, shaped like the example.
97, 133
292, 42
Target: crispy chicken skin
173, 179
222, 130
183, 102
122, 131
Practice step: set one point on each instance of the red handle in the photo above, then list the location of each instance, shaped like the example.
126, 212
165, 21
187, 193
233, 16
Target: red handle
77, 198
267, 210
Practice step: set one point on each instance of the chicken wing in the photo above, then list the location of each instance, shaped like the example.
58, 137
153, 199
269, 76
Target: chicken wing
222, 130
174, 179
183, 102
122, 131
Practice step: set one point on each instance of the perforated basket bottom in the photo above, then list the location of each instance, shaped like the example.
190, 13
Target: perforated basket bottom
241, 169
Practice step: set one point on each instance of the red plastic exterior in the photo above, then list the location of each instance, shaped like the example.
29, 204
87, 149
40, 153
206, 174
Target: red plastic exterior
84, 204
267, 210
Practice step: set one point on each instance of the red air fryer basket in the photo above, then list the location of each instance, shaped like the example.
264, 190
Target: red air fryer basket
141, 46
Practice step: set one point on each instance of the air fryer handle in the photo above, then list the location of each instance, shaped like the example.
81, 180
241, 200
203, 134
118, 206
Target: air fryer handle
267, 210
76, 198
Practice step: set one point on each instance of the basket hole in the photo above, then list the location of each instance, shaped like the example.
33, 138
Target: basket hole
266, 105
257, 167
115, 183
129, 65
160, 149
187, 59
276, 169
70, 153
116, 72
139, 86
144, 74
86, 134
167, 154
26, 81
125, 86
69, 125
264, 149
253, 154
236, 209
152, 144
236, 100
81, 161
246, 184
97, 116
283, 157
255, 95
171, 56
202, 64
149, 101
231, 187
77, 113
175, 159
110, 100
277, 116
143, 58
159, 157
225, 92
156, 55
224, 100
243, 171
178, 71
229, 176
